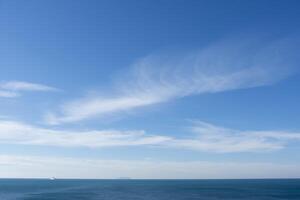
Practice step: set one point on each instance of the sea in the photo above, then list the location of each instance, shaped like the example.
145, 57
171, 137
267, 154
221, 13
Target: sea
70, 189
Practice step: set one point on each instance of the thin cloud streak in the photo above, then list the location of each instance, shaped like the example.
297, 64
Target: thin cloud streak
12, 89
212, 138
25, 86
89, 107
19, 133
202, 137
8, 94
228, 65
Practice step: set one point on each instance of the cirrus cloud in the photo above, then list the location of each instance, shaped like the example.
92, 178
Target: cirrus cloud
202, 136
227, 65
12, 89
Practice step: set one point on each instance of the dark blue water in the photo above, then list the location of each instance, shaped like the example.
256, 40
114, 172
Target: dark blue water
29, 189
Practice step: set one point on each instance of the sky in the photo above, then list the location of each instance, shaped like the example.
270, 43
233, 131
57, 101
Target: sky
149, 89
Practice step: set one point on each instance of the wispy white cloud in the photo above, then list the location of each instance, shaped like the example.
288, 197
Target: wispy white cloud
18, 166
228, 65
211, 138
8, 94
95, 106
203, 137
14, 88
19, 133
25, 86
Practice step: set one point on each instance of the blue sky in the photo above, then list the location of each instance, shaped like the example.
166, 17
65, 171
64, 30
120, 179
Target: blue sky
149, 89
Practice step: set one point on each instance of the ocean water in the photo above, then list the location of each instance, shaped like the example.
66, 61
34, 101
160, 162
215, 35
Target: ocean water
38, 189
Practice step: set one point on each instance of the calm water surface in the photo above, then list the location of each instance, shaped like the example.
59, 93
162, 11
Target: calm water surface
30, 189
